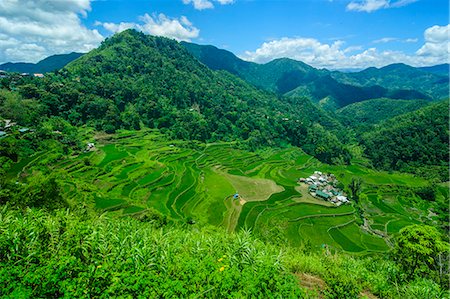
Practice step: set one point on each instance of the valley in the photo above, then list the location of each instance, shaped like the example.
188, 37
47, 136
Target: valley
134, 173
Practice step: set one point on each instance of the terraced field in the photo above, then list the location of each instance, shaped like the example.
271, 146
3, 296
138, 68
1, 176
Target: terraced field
130, 172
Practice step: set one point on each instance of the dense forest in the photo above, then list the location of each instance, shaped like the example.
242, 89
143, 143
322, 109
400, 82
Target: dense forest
413, 142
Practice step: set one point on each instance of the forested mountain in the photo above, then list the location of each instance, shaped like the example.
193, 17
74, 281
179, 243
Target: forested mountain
330, 89
49, 64
441, 69
401, 77
376, 110
412, 142
133, 78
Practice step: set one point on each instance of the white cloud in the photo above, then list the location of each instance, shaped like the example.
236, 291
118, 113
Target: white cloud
225, 2
335, 56
200, 4
385, 40
411, 40
34, 29
179, 29
206, 4
373, 5
368, 5
437, 42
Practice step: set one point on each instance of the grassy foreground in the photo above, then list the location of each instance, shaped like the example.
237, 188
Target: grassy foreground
75, 254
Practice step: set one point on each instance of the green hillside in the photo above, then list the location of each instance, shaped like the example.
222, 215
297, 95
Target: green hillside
159, 215
134, 79
411, 141
330, 89
400, 77
374, 111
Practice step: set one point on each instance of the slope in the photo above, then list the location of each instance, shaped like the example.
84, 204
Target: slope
401, 77
376, 110
330, 89
133, 79
411, 141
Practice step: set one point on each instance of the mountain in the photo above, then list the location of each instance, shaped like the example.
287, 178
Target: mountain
441, 69
279, 76
400, 77
134, 79
374, 111
49, 64
330, 89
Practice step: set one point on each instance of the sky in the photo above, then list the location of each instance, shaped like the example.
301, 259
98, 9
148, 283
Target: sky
333, 34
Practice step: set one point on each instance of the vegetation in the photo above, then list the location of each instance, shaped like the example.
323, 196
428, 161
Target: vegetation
361, 115
331, 90
119, 174
133, 80
413, 142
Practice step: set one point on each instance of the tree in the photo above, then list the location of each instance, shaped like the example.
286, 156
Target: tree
417, 249
355, 188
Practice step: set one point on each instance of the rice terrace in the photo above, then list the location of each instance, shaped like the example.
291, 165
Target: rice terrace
129, 172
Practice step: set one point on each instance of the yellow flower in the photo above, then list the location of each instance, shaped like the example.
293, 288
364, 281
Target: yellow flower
221, 259
222, 268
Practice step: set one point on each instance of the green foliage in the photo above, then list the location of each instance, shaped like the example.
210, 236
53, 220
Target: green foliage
411, 141
40, 191
417, 248
329, 89
43, 255
361, 115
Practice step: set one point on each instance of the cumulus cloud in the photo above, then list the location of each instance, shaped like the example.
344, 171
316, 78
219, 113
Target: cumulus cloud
335, 55
373, 5
33, 29
437, 43
162, 25
206, 4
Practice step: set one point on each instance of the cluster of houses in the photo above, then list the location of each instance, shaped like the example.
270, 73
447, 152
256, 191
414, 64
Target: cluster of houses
324, 186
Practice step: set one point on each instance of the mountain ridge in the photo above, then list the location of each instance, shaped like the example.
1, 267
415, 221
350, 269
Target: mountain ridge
48, 64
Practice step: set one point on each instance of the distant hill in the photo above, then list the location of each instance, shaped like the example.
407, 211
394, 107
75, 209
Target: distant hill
441, 69
49, 64
400, 77
374, 111
331, 89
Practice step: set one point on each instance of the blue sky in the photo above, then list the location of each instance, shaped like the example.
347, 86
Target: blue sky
324, 33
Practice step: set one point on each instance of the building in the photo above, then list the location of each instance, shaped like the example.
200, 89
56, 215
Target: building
322, 195
312, 188
39, 75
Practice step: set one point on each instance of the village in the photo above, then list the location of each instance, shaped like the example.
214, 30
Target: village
324, 186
